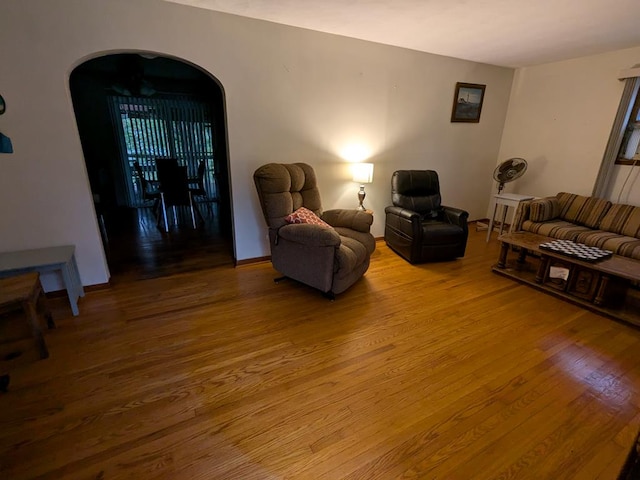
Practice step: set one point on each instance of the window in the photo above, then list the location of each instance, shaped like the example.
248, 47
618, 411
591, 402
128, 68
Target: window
629, 153
148, 128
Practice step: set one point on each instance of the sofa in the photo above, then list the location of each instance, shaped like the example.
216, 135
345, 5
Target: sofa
589, 220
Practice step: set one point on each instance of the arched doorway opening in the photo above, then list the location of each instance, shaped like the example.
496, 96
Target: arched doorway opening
131, 110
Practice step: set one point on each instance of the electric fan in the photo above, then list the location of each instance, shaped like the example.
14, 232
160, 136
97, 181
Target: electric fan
508, 171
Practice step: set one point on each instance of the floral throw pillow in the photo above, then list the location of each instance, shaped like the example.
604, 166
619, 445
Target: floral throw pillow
304, 215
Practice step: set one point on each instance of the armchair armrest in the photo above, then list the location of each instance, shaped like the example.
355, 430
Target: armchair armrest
456, 216
403, 213
407, 222
354, 219
309, 235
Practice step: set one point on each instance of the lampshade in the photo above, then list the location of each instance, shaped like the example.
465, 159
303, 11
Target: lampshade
363, 172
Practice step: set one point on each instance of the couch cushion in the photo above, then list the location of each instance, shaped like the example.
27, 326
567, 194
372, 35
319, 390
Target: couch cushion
622, 245
582, 210
555, 229
439, 233
304, 215
622, 219
618, 244
544, 209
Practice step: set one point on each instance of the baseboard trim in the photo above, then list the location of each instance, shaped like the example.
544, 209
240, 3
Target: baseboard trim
87, 288
251, 261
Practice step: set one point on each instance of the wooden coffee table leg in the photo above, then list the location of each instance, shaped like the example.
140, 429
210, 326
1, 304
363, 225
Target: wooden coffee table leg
502, 259
4, 382
31, 311
43, 307
602, 290
542, 268
522, 256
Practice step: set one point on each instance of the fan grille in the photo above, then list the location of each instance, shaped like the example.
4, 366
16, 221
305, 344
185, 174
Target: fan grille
508, 171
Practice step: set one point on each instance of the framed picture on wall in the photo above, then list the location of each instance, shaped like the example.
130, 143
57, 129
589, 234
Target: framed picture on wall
467, 102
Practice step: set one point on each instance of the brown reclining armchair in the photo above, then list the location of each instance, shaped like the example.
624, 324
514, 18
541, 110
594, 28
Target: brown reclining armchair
417, 226
330, 258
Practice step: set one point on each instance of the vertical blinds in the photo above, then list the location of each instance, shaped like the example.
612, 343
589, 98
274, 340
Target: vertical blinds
148, 128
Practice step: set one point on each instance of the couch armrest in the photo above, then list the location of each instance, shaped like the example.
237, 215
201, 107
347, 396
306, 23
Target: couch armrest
456, 216
309, 235
522, 213
354, 219
536, 210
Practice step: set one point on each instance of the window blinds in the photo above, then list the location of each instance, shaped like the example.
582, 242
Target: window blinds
148, 128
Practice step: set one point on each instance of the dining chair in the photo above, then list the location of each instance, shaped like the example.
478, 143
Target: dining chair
165, 163
148, 188
175, 192
197, 187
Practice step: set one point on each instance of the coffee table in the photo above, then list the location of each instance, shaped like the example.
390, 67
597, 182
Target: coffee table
609, 286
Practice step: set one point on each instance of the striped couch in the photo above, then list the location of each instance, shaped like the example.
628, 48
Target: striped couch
589, 220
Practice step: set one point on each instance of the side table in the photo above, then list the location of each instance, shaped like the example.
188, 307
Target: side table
43, 260
506, 200
25, 292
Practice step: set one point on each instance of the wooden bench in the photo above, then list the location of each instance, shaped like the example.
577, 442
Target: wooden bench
25, 292
44, 260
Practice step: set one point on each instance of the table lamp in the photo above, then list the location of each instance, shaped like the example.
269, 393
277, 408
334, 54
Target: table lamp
362, 173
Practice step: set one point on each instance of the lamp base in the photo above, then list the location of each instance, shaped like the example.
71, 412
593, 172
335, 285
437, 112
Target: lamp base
361, 195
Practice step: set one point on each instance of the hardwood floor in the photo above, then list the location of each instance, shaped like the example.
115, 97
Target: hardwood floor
438, 371
138, 249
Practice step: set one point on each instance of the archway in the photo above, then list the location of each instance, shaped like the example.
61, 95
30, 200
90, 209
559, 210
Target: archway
132, 108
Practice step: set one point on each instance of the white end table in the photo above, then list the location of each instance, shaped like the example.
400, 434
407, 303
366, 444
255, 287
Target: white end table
43, 260
506, 200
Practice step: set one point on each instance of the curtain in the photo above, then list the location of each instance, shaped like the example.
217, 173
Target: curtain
605, 174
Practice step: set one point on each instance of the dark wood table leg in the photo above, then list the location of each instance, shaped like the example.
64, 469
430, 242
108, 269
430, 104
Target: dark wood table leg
30, 307
542, 268
602, 290
522, 256
4, 382
43, 308
502, 259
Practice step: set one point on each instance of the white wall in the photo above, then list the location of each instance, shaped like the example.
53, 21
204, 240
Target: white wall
559, 119
292, 95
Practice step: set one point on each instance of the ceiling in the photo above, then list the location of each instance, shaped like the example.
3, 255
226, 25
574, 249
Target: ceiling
511, 33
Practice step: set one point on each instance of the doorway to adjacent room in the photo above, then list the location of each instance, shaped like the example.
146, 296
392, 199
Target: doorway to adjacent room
133, 109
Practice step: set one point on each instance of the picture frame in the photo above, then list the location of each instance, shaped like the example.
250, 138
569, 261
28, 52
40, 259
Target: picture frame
467, 102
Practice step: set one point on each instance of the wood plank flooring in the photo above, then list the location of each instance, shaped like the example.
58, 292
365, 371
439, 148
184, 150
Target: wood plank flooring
137, 248
437, 371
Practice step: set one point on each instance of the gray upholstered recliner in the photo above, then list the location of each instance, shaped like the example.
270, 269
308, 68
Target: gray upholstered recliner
417, 226
329, 259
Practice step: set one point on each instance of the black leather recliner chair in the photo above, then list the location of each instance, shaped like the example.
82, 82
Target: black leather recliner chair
417, 226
